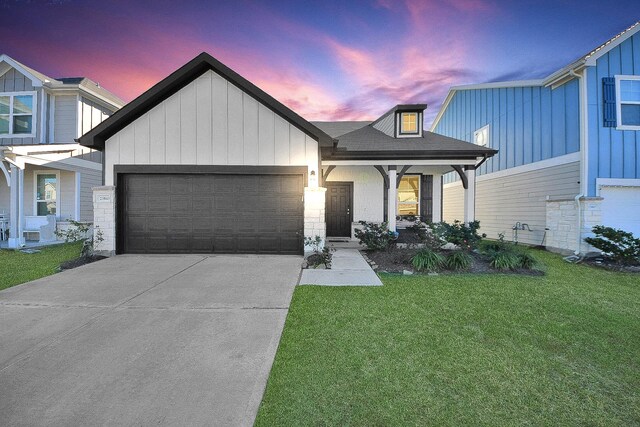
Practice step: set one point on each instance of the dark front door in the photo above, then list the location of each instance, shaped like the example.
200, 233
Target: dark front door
338, 208
209, 213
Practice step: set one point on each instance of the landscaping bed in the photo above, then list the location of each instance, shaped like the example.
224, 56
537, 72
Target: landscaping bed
398, 260
78, 262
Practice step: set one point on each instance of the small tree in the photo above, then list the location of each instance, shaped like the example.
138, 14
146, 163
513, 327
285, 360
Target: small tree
617, 244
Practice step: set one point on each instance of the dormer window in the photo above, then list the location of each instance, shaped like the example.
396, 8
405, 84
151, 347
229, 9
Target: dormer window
408, 123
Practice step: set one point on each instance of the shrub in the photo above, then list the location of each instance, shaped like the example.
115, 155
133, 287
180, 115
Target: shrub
504, 260
426, 235
320, 256
375, 237
465, 236
458, 260
427, 260
79, 231
617, 244
527, 261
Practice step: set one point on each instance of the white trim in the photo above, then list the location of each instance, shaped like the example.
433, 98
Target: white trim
35, 189
60, 162
593, 56
435, 162
584, 133
52, 118
38, 148
5, 171
79, 116
444, 106
436, 200
36, 82
615, 182
34, 114
499, 85
619, 103
543, 164
43, 118
77, 196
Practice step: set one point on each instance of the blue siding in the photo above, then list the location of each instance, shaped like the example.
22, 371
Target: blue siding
527, 124
612, 153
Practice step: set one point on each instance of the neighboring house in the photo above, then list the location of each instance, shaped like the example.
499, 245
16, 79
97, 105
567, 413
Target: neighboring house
46, 177
569, 148
205, 161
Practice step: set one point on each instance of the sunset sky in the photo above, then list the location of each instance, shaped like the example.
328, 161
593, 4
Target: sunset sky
327, 60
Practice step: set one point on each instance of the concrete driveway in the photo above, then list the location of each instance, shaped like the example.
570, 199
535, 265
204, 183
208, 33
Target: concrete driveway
140, 340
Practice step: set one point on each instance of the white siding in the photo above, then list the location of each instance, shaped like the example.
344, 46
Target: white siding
210, 121
65, 119
501, 202
368, 193
92, 114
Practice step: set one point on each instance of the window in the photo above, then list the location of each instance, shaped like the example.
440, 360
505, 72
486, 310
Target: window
628, 102
46, 193
409, 196
17, 112
409, 123
481, 136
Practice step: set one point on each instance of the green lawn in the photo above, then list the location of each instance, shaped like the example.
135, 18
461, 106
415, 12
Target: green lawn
563, 349
17, 267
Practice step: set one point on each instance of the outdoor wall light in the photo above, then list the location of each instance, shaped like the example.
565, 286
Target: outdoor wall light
313, 179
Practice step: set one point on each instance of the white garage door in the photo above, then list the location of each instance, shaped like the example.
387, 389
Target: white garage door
621, 208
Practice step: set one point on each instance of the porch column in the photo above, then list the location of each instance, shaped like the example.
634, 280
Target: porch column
437, 198
392, 198
470, 196
16, 213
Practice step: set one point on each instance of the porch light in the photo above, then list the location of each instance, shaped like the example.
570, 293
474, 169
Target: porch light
313, 179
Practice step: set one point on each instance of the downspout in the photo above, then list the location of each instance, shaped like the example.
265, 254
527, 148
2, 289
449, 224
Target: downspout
582, 95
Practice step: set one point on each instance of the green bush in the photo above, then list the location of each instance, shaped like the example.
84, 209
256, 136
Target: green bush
617, 244
504, 260
465, 236
427, 260
527, 261
375, 237
458, 260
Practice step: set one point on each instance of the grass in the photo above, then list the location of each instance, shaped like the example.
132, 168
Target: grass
494, 350
17, 267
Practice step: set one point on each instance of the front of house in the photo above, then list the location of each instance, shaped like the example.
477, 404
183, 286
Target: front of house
569, 149
206, 162
46, 177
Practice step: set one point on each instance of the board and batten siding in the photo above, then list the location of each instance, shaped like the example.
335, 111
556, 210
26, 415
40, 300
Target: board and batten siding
526, 124
210, 122
612, 153
14, 81
502, 202
91, 115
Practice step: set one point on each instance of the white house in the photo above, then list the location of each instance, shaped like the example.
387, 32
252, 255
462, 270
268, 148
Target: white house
46, 177
206, 162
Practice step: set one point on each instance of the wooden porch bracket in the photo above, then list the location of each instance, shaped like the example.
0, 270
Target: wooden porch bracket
385, 177
326, 173
463, 176
404, 170
385, 193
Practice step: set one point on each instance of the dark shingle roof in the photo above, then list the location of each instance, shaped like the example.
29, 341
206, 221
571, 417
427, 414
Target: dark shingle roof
369, 143
336, 129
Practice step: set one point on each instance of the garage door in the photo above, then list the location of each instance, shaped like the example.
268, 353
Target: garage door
210, 213
620, 208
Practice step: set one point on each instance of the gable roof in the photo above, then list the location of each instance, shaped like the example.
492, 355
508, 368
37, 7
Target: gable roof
96, 137
336, 129
37, 78
368, 143
556, 78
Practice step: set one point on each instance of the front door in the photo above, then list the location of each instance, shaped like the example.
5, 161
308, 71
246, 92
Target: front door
338, 209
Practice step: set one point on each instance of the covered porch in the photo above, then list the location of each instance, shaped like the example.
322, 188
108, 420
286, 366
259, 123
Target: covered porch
398, 192
41, 189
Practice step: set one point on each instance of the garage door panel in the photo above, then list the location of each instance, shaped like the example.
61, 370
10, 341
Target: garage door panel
210, 213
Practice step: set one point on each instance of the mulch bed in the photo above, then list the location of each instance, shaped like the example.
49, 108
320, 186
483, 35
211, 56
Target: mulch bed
68, 265
609, 264
397, 260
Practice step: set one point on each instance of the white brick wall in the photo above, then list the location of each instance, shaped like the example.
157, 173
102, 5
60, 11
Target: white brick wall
562, 222
104, 219
314, 204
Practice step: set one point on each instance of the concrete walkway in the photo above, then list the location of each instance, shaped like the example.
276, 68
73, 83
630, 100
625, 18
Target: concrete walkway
144, 340
348, 268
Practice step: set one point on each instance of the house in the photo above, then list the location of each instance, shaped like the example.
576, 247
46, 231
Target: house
46, 176
569, 148
205, 161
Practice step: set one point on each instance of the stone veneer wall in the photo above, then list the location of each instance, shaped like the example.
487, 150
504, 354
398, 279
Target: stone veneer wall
314, 205
104, 219
562, 223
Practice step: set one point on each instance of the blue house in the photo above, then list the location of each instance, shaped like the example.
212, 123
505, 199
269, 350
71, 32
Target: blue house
569, 149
